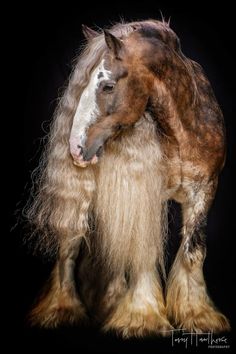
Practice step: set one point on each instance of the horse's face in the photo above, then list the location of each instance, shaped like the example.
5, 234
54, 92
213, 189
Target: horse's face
115, 98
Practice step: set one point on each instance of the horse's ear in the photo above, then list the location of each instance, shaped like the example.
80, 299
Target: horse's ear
113, 43
88, 32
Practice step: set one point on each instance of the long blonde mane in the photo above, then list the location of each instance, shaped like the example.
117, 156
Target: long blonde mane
53, 210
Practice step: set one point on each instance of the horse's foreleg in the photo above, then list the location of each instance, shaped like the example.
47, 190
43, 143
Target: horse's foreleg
188, 305
60, 303
141, 311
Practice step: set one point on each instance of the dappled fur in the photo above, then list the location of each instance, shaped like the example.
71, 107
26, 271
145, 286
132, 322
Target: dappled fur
116, 210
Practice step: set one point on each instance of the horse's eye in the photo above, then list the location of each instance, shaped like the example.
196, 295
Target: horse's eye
108, 87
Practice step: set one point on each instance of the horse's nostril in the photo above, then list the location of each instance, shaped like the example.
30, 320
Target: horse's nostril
81, 149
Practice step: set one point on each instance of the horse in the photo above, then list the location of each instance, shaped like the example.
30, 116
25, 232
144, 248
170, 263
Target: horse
137, 125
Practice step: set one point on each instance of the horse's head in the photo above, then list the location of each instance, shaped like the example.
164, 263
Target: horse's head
114, 99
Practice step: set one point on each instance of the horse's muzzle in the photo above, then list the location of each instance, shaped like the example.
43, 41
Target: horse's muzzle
89, 153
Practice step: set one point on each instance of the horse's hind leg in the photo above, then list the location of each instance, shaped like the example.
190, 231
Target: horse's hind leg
188, 304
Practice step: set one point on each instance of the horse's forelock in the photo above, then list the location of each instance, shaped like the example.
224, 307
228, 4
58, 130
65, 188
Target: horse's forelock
93, 51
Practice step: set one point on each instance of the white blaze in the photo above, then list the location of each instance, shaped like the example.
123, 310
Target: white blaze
87, 110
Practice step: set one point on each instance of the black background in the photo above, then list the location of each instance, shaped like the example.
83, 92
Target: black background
43, 41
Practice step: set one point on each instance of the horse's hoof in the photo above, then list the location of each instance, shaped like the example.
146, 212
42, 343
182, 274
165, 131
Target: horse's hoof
51, 312
206, 320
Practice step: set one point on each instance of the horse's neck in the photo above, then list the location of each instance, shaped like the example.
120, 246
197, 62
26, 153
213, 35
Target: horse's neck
179, 78
173, 103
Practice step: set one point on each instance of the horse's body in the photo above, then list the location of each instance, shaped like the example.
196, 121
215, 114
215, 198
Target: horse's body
162, 135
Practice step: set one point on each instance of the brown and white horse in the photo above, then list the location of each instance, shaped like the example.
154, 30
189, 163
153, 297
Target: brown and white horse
138, 125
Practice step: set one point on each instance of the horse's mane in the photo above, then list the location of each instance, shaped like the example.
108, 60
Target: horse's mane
52, 208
